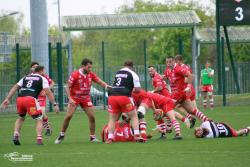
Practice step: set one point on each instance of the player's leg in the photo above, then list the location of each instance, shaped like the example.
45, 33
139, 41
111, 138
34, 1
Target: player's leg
21, 111
111, 126
46, 124
204, 97
211, 97
69, 114
187, 104
243, 132
135, 125
141, 112
190, 117
182, 119
39, 128
175, 124
17, 129
91, 116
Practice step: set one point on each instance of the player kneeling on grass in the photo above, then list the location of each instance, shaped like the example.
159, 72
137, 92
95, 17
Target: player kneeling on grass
210, 129
123, 131
29, 88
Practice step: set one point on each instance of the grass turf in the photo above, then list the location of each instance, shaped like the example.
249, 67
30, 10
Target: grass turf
76, 150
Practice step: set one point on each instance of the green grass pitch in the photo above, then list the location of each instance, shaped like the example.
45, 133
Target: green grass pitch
76, 150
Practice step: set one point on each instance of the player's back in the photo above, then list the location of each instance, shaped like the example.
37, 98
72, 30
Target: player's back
124, 83
31, 85
158, 99
179, 77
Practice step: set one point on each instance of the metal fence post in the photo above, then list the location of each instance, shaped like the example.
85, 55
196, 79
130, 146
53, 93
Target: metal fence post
103, 74
17, 62
145, 64
60, 74
50, 69
218, 48
180, 45
223, 72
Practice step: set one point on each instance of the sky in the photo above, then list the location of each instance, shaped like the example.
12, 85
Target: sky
68, 7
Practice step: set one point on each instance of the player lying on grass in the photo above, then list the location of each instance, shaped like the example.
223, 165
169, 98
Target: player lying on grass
210, 129
123, 131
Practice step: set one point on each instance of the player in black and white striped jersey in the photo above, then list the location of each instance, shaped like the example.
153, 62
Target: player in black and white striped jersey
210, 129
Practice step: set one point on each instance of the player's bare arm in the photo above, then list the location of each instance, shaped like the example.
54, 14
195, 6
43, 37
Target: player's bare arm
103, 84
9, 96
51, 99
51, 85
157, 89
67, 89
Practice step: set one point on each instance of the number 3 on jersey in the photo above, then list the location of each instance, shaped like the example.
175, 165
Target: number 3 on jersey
118, 81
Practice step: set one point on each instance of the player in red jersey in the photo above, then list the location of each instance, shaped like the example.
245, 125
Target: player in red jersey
29, 88
164, 103
159, 85
42, 100
182, 79
123, 131
78, 91
168, 74
120, 100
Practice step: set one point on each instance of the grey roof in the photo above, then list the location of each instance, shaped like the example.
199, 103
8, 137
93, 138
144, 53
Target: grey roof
130, 20
24, 41
236, 35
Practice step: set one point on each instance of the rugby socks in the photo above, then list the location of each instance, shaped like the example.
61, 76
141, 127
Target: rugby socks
200, 115
46, 123
189, 116
205, 104
211, 103
246, 130
161, 126
183, 119
16, 133
62, 133
92, 137
39, 139
168, 125
176, 126
143, 129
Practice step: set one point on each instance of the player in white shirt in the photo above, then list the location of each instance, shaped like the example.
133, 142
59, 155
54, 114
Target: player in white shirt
210, 129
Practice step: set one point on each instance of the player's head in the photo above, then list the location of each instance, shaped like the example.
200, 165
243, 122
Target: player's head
86, 65
178, 59
208, 64
151, 71
33, 65
158, 114
129, 64
170, 61
39, 69
198, 132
